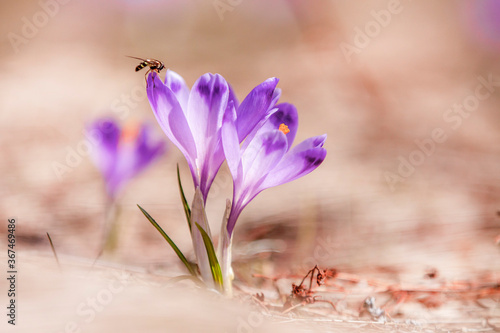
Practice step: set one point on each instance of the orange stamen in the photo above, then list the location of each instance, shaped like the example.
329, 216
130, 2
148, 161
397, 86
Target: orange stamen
284, 129
129, 132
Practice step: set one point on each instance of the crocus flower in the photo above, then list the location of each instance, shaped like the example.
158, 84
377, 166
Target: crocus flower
120, 154
192, 119
265, 159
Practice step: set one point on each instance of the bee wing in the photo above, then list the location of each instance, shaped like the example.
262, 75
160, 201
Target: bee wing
136, 58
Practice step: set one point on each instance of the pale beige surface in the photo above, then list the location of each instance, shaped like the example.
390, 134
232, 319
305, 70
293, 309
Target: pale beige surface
77, 297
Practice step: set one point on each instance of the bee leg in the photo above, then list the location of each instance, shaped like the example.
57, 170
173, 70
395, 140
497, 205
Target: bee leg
146, 77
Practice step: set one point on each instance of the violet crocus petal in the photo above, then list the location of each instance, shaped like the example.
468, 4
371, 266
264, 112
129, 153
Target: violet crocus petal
312, 142
124, 169
285, 114
257, 130
232, 96
275, 98
230, 141
207, 103
171, 118
147, 150
255, 106
215, 156
299, 161
178, 86
104, 134
259, 158
133, 157
206, 106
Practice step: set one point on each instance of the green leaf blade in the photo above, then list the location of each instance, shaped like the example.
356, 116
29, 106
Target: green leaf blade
212, 258
185, 204
169, 241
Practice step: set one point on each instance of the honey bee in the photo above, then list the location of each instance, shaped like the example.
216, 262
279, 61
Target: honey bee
153, 64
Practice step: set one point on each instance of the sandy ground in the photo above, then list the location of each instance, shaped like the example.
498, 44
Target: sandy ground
79, 297
384, 106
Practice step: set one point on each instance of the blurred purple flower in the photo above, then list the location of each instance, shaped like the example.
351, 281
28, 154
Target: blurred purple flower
120, 154
265, 158
192, 119
483, 19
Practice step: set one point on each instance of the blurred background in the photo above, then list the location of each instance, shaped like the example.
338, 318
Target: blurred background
407, 91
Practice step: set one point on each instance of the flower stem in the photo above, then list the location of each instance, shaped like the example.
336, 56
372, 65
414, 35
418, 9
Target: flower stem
224, 252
